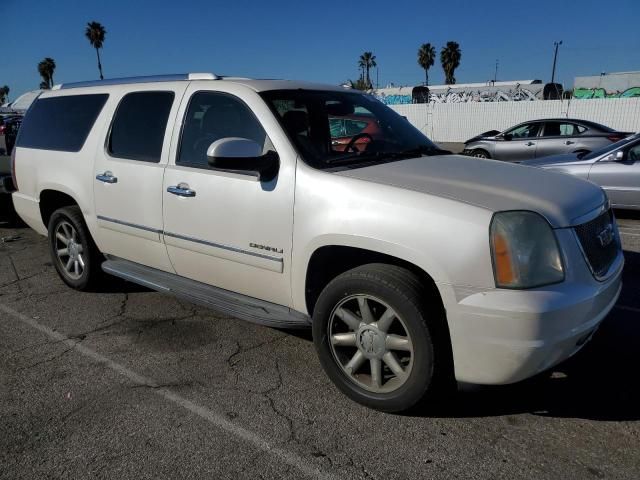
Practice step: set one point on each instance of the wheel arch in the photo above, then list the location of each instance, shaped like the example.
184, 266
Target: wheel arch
51, 199
328, 261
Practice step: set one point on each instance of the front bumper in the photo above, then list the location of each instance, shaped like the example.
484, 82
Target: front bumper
504, 336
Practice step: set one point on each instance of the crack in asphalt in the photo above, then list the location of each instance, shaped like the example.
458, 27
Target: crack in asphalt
254, 347
50, 359
165, 385
15, 272
287, 458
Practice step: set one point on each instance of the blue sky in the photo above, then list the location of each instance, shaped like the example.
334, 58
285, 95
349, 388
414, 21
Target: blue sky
318, 41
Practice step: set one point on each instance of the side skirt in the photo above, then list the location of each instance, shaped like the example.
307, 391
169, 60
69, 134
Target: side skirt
224, 301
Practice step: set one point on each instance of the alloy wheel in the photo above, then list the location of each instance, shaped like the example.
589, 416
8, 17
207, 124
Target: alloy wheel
371, 343
69, 250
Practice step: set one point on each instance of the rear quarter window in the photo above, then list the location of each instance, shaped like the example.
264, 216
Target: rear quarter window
60, 123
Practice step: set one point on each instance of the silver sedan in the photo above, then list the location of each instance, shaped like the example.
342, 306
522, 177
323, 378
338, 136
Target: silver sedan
616, 168
541, 138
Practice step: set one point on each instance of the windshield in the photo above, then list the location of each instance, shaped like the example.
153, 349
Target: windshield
332, 128
609, 148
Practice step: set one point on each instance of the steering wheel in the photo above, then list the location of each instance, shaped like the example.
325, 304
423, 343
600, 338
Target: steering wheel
352, 143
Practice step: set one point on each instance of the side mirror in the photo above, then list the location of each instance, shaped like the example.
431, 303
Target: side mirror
615, 157
241, 155
508, 136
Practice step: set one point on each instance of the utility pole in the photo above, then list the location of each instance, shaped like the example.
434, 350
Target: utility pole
555, 58
495, 74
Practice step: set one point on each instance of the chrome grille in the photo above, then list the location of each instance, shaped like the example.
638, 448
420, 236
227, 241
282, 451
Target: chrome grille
599, 241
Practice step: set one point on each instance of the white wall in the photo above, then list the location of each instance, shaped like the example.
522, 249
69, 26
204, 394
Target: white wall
457, 122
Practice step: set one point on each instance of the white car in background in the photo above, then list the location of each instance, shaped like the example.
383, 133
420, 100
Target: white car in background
616, 168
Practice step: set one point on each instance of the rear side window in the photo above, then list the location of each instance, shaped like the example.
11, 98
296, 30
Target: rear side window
60, 123
138, 127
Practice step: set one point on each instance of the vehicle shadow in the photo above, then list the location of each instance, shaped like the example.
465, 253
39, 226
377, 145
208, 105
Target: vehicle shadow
111, 284
628, 214
600, 382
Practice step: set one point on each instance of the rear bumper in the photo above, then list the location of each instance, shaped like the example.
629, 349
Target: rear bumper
29, 211
504, 336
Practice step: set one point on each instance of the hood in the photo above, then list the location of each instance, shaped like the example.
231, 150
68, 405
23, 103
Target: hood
490, 184
491, 134
556, 161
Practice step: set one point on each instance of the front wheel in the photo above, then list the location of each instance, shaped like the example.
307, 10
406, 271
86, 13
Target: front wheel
371, 331
479, 153
73, 251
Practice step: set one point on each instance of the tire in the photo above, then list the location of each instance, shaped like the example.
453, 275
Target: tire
380, 287
67, 225
480, 153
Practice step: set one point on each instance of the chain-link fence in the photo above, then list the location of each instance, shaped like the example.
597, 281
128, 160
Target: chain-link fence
457, 122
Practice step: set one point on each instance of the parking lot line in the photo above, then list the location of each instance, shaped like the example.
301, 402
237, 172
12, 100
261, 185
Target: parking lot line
210, 416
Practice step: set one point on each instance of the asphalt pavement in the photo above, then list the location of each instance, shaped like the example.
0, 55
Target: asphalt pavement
128, 383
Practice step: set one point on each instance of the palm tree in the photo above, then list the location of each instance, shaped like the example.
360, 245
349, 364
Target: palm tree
46, 68
426, 59
4, 94
95, 32
450, 56
367, 61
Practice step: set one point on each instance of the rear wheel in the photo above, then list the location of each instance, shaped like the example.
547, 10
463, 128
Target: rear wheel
371, 331
73, 251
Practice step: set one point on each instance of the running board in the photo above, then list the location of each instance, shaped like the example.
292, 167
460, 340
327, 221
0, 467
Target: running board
223, 301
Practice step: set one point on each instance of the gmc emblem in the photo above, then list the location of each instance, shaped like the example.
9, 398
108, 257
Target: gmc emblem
605, 237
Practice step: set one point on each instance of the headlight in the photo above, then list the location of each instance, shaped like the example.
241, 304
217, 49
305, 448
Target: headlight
524, 250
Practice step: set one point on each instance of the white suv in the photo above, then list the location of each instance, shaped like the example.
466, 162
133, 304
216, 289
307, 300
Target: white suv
299, 205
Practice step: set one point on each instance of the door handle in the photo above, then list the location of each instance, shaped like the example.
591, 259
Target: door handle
182, 190
529, 144
107, 177
569, 142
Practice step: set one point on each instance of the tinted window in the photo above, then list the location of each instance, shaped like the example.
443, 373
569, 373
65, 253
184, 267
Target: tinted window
353, 127
525, 131
345, 128
633, 155
137, 132
211, 117
60, 123
559, 129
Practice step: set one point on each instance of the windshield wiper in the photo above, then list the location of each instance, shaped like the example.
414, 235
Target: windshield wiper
423, 150
426, 150
360, 156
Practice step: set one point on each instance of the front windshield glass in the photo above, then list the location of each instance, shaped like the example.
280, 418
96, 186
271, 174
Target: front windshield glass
331, 128
612, 147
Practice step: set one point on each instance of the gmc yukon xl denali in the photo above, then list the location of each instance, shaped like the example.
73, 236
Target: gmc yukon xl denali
412, 267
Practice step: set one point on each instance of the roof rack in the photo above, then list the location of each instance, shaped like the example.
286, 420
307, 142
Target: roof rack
145, 79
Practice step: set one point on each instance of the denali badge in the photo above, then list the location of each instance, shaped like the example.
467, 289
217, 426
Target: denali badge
605, 237
265, 247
